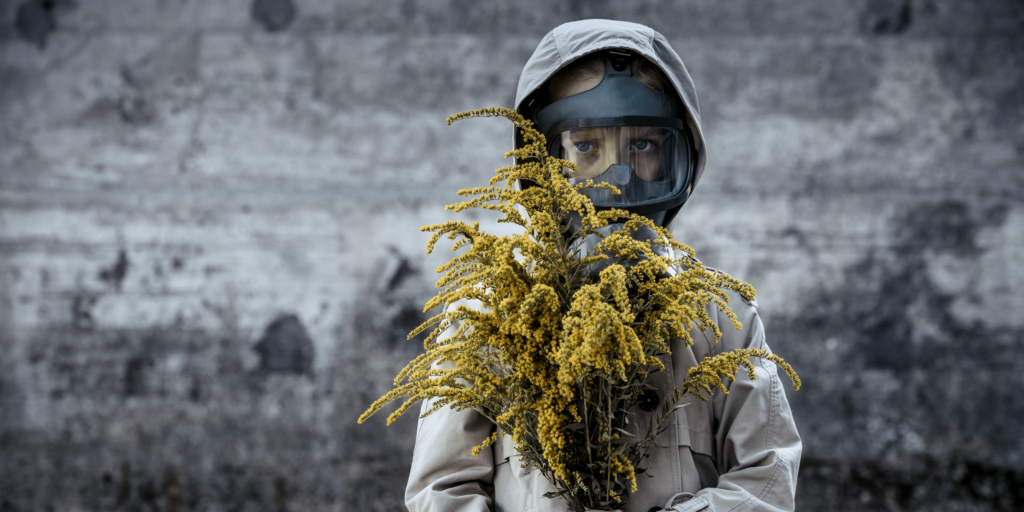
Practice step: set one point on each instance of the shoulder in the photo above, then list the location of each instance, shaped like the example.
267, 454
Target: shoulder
471, 304
744, 306
748, 300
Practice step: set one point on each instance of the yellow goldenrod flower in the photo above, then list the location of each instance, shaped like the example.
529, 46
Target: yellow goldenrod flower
552, 354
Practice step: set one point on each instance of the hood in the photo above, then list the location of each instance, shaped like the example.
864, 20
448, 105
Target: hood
570, 41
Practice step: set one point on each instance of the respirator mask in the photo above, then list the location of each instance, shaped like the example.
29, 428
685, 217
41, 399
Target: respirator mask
624, 134
628, 135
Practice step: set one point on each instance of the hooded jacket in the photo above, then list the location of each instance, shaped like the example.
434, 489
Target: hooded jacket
738, 451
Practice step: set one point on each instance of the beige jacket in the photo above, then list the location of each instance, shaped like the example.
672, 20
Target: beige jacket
739, 451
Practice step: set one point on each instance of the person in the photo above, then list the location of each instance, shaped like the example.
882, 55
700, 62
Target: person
616, 99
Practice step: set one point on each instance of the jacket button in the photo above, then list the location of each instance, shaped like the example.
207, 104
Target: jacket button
654, 509
648, 400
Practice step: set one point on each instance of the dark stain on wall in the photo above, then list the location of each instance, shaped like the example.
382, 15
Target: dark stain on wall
376, 334
81, 310
35, 20
920, 483
125, 488
274, 15
886, 320
135, 375
919, 390
116, 273
148, 494
886, 17
404, 271
135, 109
137, 442
285, 347
173, 64
401, 302
396, 307
12, 403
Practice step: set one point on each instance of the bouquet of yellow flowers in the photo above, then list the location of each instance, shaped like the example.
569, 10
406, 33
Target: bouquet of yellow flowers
559, 346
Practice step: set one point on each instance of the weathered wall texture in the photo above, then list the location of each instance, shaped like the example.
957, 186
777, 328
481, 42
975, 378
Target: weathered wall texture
209, 252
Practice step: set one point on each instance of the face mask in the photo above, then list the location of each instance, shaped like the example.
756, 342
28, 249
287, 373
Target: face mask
624, 134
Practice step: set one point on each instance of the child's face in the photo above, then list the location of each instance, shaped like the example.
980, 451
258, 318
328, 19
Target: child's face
594, 150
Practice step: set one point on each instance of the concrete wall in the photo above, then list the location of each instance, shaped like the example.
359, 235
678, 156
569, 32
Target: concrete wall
209, 252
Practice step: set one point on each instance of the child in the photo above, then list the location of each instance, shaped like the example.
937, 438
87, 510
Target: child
614, 98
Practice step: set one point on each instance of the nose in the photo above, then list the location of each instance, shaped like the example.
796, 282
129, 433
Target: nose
613, 155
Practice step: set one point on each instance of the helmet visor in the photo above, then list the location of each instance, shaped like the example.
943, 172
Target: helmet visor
646, 163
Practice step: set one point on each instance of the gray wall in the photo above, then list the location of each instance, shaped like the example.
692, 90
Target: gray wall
209, 252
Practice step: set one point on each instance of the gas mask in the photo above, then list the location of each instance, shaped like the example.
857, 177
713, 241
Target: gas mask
627, 135
624, 134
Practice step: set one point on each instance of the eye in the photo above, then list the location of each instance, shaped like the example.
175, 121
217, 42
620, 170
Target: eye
583, 147
642, 145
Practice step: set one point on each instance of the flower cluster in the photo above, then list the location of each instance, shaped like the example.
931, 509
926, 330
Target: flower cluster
555, 344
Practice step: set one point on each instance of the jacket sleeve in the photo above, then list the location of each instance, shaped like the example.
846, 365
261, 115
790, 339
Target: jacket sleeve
445, 476
757, 447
